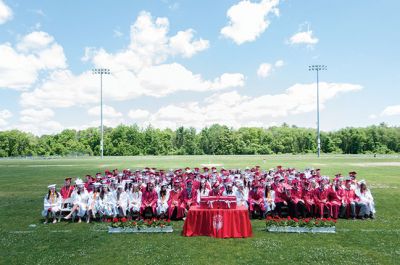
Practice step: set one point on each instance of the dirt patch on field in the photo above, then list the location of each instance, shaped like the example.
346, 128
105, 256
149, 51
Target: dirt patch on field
377, 164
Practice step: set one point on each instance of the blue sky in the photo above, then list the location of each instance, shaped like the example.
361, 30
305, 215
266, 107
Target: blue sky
195, 63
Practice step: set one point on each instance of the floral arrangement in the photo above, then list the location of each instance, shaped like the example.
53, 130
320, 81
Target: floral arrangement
305, 222
138, 224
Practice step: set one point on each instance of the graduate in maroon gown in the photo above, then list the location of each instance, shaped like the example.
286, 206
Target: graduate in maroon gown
308, 197
149, 199
321, 198
335, 198
67, 189
256, 199
216, 191
174, 202
280, 194
349, 200
188, 196
296, 197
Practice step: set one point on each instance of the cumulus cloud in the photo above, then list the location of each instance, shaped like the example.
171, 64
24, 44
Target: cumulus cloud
182, 43
38, 121
138, 114
36, 52
304, 37
133, 70
391, 111
248, 20
5, 114
108, 112
6, 13
265, 69
236, 110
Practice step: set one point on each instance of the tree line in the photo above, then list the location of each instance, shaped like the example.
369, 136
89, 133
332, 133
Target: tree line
217, 139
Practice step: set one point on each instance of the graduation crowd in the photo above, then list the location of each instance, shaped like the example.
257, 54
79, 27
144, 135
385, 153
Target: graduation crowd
150, 193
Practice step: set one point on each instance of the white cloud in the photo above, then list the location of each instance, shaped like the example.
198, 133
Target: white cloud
133, 70
279, 63
6, 13
138, 114
20, 67
248, 20
36, 40
45, 127
5, 114
236, 110
304, 37
108, 112
183, 43
38, 121
36, 115
264, 70
174, 77
391, 110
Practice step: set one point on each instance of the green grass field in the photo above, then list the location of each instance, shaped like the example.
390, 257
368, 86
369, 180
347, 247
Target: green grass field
23, 183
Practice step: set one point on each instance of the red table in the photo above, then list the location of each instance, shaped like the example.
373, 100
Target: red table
221, 223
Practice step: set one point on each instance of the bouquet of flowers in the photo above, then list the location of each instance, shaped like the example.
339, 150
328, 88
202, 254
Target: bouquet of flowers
305, 222
139, 224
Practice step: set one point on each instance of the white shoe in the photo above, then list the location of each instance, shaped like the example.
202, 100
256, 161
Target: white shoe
54, 221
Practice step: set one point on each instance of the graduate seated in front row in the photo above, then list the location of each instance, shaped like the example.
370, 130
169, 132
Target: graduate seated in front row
80, 198
175, 211
52, 204
256, 201
135, 201
149, 201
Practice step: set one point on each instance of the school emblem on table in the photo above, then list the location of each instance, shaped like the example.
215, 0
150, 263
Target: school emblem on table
218, 222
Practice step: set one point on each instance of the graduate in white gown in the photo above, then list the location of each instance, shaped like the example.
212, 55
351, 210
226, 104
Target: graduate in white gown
80, 199
203, 191
366, 201
107, 202
242, 195
52, 204
94, 201
162, 203
135, 198
121, 198
269, 198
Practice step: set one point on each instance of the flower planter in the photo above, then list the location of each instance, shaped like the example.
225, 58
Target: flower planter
294, 229
116, 230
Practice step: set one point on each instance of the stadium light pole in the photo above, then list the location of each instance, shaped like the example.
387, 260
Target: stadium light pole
101, 72
318, 68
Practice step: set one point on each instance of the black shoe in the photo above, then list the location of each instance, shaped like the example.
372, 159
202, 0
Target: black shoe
372, 216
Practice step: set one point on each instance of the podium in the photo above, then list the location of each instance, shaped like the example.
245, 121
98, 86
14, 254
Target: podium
218, 222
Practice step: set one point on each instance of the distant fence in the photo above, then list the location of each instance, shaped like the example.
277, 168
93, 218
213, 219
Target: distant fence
73, 156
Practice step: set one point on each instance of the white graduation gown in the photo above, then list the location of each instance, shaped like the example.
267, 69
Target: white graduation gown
135, 201
53, 203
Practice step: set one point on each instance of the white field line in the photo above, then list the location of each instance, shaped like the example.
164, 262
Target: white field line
49, 165
21, 232
376, 164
